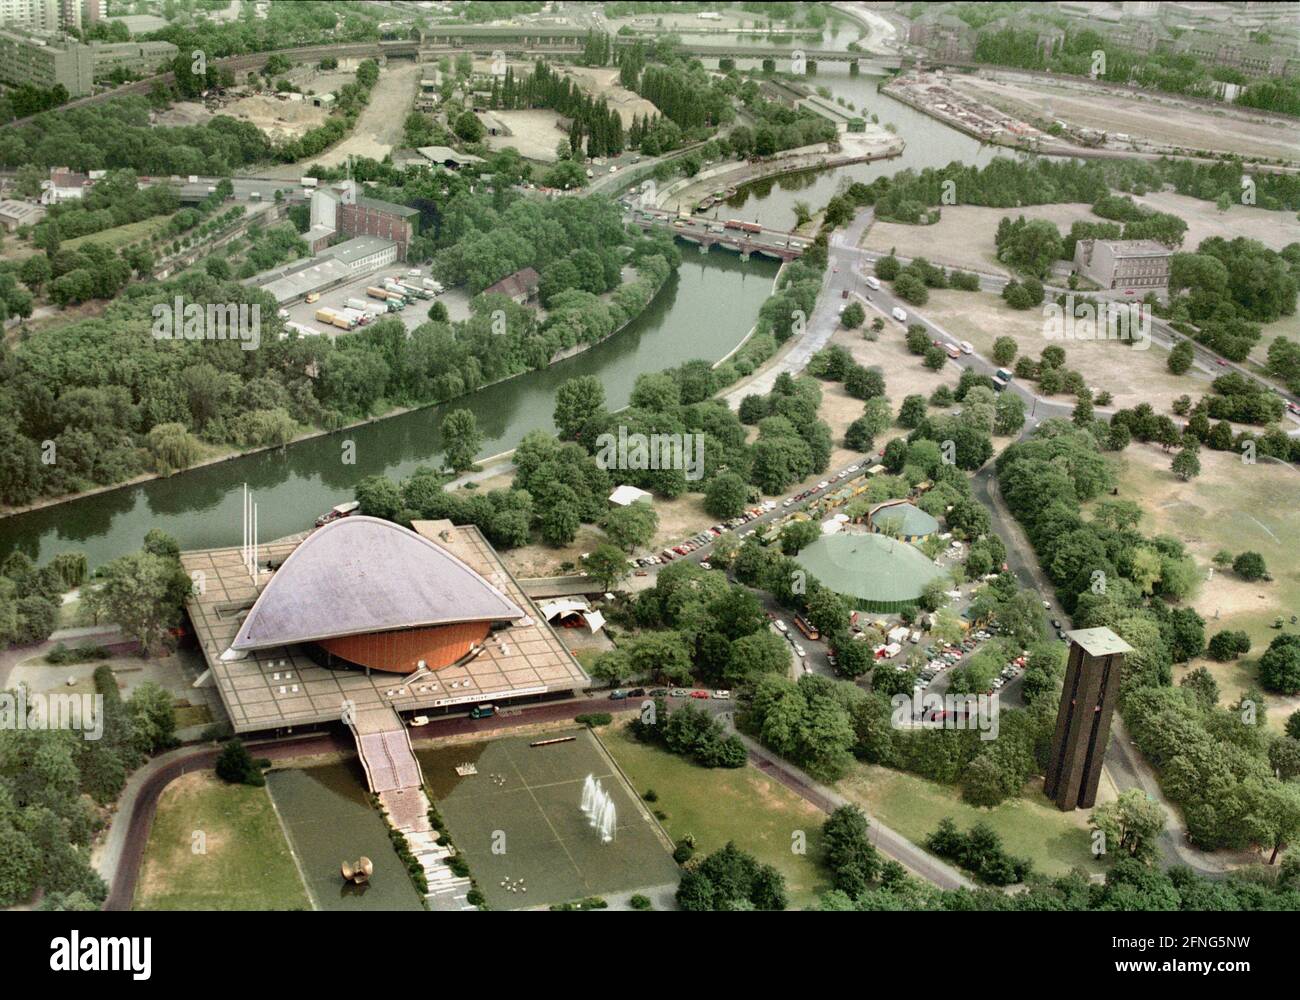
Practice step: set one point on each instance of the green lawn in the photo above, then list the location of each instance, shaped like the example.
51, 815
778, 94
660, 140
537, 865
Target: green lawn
1030, 826
721, 804
246, 864
120, 236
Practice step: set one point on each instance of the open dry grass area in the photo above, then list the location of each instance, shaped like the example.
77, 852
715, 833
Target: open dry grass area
182, 113
279, 119
1236, 507
379, 126
963, 236
1132, 376
1156, 117
532, 133
1204, 220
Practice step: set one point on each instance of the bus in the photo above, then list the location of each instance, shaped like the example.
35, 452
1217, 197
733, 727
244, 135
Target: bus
806, 627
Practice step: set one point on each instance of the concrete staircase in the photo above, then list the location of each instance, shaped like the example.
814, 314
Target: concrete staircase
393, 773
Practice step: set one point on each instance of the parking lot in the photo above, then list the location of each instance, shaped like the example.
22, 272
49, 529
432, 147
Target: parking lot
415, 313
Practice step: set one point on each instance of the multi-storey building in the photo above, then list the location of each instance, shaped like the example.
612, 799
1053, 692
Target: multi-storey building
45, 61
1123, 263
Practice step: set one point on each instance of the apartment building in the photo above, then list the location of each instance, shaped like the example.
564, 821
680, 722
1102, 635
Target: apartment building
1124, 263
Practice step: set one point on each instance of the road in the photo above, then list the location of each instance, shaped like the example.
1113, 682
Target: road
1162, 334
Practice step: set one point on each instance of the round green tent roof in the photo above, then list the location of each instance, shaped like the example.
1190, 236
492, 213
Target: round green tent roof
876, 572
903, 519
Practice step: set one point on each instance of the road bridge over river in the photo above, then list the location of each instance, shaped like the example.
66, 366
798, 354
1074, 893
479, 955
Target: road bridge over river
707, 233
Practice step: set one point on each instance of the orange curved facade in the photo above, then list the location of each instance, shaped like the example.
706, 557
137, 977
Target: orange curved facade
400, 652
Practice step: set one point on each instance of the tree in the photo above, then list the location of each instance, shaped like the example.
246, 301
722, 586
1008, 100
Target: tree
460, 439
1181, 357
1250, 566
726, 495
754, 655
797, 535
560, 518
912, 412
935, 357
850, 855
1008, 414
1186, 465
142, 593
1228, 645
1131, 825
1279, 667
630, 526
853, 316
35, 272
379, 497
150, 708
1004, 350
236, 766
607, 564
577, 402
911, 289
468, 127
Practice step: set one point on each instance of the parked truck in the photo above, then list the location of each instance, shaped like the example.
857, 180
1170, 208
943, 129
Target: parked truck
335, 318
359, 317
371, 308
393, 298
433, 285
415, 290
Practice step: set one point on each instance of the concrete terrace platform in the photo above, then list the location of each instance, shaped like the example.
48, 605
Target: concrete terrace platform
282, 687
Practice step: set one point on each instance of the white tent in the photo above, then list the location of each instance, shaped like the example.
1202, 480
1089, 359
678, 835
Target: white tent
625, 496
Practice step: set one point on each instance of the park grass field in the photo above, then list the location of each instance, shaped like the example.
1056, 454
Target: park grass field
1030, 826
716, 805
1236, 507
246, 864
120, 236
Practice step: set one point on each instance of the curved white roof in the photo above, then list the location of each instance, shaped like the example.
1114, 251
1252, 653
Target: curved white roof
363, 574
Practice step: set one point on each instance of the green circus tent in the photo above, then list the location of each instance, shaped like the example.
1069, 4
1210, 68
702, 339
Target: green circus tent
874, 572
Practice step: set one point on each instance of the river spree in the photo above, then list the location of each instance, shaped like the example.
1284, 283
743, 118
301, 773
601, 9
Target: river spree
702, 312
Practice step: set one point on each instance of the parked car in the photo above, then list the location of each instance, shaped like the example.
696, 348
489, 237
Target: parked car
700, 695
722, 694
617, 695
679, 693
782, 627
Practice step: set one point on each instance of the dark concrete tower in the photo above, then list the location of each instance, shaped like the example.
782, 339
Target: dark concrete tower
1092, 676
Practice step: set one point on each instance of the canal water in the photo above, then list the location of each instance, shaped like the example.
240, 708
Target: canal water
929, 143
330, 821
702, 312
